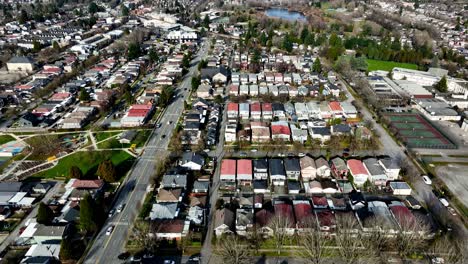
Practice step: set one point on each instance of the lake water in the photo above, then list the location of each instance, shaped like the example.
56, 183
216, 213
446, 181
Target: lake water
285, 14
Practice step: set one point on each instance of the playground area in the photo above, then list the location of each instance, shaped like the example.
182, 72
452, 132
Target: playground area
417, 132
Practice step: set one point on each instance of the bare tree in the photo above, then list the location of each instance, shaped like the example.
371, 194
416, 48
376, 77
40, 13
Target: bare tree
352, 245
279, 226
411, 236
379, 239
314, 243
454, 251
232, 250
143, 235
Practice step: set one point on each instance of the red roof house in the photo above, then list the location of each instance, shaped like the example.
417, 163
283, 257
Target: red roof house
228, 170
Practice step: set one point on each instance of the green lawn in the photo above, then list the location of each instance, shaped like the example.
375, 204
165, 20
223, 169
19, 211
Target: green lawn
100, 136
5, 139
139, 140
388, 65
88, 163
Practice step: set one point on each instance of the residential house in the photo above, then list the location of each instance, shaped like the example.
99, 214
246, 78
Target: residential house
285, 210
336, 109
298, 135
192, 161
280, 131
224, 222
253, 90
376, 172
400, 188
170, 229
278, 111
164, 211
260, 169
244, 111
169, 195
263, 219
228, 170
244, 221
127, 136
392, 170
305, 218
321, 133
232, 110
200, 186
323, 168
308, 169
294, 187
260, 186
244, 172
340, 129
260, 132
277, 172
329, 187
292, 168
313, 187
255, 111
358, 171
319, 202
267, 111
326, 220
174, 181
204, 91
339, 168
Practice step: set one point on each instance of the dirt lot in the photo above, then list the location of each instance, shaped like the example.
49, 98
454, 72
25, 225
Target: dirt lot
456, 179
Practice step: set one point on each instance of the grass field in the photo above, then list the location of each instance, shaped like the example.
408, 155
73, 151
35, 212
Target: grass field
5, 139
139, 140
100, 136
388, 65
88, 163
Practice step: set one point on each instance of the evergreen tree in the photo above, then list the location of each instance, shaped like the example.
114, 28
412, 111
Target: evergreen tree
44, 214
84, 95
153, 56
66, 249
441, 86
206, 21
263, 39
124, 10
106, 171
317, 66
304, 34
87, 214
134, 51
287, 43
75, 172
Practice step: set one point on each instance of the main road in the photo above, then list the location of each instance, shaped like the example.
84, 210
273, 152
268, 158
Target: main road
105, 249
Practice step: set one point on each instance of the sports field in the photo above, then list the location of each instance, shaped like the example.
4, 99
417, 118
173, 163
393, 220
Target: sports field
374, 65
417, 132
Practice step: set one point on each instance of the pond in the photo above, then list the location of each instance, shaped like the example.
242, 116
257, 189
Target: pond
285, 14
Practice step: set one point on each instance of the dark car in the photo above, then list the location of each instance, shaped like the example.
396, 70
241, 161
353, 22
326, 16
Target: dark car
123, 256
163, 136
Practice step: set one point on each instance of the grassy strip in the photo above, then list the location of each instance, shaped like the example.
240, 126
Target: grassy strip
100, 136
5, 139
375, 65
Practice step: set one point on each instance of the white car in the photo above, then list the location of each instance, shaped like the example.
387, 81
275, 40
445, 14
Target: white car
120, 208
437, 260
444, 201
426, 180
109, 230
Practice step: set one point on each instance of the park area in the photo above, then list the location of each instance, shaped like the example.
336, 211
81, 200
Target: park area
374, 65
88, 163
417, 132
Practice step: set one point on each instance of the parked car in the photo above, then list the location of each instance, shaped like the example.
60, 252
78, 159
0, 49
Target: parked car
120, 208
451, 210
437, 260
109, 230
123, 256
444, 201
426, 180
301, 154
111, 212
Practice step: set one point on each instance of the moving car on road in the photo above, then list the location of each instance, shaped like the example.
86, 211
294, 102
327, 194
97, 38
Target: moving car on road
120, 208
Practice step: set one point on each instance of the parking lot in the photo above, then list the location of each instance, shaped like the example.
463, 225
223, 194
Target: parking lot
455, 177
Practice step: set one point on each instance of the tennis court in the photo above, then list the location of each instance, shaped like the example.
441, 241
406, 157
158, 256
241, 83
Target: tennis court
404, 118
417, 132
409, 126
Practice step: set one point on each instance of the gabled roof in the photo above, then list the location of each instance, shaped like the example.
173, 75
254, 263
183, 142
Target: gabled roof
169, 195
292, 164
244, 166
228, 166
224, 216
263, 217
339, 163
356, 167
88, 184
